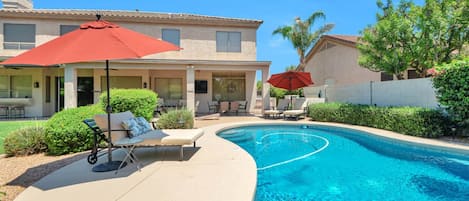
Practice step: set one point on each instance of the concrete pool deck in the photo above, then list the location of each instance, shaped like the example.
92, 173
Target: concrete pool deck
215, 170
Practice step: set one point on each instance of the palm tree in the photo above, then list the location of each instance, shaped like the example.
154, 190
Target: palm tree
300, 35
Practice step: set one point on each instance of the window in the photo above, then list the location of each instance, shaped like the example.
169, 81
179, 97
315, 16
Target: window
169, 88
67, 28
19, 36
122, 82
386, 77
16, 86
412, 74
229, 86
48, 89
228, 41
171, 35
4, 86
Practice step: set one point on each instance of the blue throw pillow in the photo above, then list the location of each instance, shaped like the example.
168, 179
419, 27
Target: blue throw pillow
144, 125
133, 126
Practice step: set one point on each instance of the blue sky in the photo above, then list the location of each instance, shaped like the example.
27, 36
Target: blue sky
349, 17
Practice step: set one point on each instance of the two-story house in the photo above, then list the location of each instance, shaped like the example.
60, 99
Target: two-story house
218, 60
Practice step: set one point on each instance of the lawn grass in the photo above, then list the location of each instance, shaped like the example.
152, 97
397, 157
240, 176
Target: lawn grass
7, 126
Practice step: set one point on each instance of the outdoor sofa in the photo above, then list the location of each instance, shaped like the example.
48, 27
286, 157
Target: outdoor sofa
151, 137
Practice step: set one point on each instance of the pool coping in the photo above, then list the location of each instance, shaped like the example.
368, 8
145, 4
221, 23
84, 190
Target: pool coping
218, 170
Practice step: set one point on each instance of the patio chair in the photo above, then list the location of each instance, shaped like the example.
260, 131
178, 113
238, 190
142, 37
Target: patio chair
277, 111
234, 106
212, 106
242, 106
224, 106
299, 108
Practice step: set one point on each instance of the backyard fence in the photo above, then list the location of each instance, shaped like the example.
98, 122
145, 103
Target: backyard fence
413, 92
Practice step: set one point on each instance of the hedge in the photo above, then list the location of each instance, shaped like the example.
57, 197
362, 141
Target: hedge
25, 141
66, 132
174, 119
141, 102
414, 121
452, 88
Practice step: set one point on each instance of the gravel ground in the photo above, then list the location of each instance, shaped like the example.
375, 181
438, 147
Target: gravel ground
17, 173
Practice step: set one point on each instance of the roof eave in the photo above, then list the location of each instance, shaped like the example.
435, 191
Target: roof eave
129, 17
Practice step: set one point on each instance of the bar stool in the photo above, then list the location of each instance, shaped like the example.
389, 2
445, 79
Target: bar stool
4, 111
16, 111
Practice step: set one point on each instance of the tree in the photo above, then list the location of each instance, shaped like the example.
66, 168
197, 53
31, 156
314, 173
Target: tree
414, 36
300, 35
290, 68
385, 46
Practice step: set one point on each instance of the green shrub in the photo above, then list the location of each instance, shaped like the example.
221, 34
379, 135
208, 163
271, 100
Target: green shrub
141, 102
176, 119
414, 121
452, 88
66, 132
25, 141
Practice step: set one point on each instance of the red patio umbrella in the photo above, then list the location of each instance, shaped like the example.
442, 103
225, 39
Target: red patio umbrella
291, 80
94, 41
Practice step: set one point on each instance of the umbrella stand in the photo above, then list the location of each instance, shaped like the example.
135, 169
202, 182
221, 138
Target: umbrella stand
110, 165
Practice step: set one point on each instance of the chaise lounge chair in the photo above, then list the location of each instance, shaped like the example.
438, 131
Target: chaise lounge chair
277, 111
152, 137
300, 105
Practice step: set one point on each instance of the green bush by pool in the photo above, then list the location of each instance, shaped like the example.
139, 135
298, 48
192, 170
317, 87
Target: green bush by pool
413, 121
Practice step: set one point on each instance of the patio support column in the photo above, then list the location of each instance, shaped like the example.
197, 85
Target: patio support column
190, 89
265, 90
70, 87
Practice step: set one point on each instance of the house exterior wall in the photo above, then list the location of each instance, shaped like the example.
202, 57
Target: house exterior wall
192, 38
338, 65
198, 43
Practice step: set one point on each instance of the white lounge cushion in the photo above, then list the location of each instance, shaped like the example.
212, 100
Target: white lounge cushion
272, 112
171, 137
293, 112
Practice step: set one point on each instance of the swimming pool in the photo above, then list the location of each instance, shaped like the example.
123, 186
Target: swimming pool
315, 162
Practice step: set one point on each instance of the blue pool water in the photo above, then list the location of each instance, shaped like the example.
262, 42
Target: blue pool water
297, 163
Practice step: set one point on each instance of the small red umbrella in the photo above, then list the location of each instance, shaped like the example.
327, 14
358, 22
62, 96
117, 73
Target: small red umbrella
94, 41
291, 80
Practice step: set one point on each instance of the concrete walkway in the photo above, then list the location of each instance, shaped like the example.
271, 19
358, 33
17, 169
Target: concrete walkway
215, 170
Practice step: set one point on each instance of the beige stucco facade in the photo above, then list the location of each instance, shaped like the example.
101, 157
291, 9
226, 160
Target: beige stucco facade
335, 63
198, 60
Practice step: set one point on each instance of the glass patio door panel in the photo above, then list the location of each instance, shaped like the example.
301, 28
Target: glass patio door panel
59, 95
169, 88
85, 94
4, 86
21, 86
229, 87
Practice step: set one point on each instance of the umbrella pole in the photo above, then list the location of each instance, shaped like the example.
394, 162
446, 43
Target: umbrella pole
108, 111
110, 165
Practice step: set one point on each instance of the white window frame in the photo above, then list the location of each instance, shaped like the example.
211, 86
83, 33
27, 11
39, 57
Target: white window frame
18, 45
227, 45
170, 33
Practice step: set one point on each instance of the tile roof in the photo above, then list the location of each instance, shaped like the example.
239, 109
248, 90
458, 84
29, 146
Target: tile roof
344, 38
347, 40
130, 16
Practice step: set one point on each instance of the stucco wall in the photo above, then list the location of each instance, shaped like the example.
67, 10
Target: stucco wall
199, 42
414, 92
338, 64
